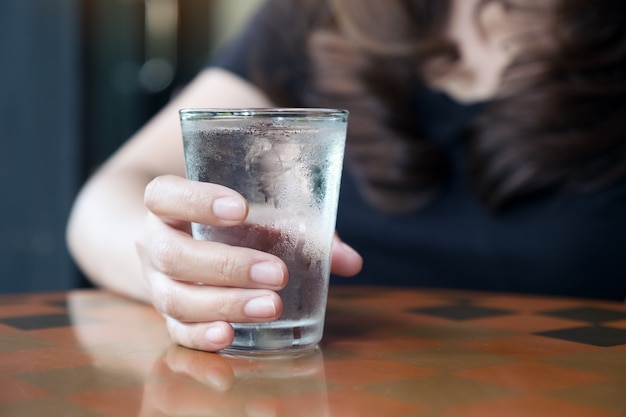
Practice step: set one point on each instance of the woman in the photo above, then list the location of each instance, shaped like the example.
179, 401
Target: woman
486, 150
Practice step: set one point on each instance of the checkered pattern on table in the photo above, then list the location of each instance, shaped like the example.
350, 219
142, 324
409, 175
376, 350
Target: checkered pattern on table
386, 352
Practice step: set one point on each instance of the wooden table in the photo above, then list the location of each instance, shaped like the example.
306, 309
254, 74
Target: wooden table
386, 353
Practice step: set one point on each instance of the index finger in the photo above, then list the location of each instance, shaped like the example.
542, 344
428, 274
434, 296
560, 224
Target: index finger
178, 198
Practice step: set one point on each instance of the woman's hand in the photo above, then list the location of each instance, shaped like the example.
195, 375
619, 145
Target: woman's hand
201, 286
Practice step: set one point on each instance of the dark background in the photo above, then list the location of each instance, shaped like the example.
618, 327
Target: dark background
77, 78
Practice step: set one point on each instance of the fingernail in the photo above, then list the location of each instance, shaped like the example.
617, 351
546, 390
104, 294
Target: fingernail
261, 307
229, 208
267, 273
214, 334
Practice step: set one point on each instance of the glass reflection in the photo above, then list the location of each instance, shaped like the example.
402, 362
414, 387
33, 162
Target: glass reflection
185, 382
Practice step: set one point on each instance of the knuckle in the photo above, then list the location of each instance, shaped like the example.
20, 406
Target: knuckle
191, 203
165, 301
152, 191
188, 197
223, 309
228, 267
166, 256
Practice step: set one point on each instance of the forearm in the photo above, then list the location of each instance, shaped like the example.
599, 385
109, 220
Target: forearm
105, 223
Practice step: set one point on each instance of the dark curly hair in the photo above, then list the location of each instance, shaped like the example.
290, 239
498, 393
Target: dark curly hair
558, 122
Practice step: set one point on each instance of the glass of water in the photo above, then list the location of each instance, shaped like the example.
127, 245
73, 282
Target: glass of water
287, 163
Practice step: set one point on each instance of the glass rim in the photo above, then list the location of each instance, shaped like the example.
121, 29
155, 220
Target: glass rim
268, 112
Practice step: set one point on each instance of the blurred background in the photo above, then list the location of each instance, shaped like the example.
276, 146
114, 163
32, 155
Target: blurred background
77, 78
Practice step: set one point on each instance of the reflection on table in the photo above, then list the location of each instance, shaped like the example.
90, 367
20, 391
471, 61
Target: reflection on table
386, 352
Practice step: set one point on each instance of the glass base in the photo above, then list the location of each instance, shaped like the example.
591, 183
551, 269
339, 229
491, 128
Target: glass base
278, 338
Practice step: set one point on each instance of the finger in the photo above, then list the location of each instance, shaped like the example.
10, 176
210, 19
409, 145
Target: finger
177, 255
194, 304
181, 199
345, 261
209, 337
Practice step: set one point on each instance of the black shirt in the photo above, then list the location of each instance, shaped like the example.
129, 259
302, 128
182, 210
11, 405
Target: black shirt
568, 244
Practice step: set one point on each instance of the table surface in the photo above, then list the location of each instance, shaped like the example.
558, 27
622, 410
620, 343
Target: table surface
386, 352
